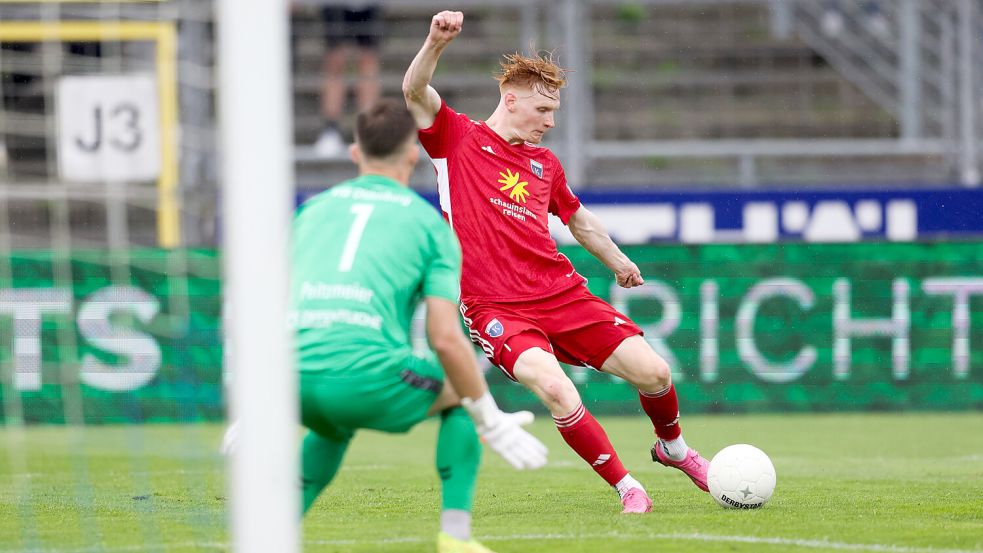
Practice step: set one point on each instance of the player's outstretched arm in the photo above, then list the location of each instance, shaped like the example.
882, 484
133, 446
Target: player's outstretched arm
500, 431
453, 349
588, 229
421, 98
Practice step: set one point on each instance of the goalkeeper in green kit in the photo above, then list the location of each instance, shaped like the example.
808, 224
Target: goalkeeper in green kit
364, 254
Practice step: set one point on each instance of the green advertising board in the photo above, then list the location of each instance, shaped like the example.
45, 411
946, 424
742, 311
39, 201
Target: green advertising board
800, 327
111, 336
794, 327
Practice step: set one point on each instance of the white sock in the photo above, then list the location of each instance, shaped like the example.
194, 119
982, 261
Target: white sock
675, 449
456, 524
626, 484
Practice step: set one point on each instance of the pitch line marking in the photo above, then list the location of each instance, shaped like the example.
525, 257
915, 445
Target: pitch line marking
793, 542
803, 543
121, 548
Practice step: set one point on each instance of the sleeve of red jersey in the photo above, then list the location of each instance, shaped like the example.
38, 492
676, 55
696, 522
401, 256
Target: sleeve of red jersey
445, 133
563, 202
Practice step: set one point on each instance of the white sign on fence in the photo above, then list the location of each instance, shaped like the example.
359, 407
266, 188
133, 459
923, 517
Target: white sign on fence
108, 128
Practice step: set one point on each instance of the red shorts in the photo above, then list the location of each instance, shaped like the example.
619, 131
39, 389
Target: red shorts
576, 326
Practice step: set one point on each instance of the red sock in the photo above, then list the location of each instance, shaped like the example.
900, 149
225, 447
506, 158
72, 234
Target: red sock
663, 408
584, 435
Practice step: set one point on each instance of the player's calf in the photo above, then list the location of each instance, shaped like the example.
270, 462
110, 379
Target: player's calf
581, 431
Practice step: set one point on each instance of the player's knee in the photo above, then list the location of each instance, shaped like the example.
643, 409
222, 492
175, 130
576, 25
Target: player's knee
559, 393
653, 375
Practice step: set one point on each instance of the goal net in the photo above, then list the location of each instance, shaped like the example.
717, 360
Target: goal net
111, 277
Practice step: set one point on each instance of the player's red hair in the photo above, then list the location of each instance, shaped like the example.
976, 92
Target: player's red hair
540, 72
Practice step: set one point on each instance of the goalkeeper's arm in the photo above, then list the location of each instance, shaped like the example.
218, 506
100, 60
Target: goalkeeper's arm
499, 430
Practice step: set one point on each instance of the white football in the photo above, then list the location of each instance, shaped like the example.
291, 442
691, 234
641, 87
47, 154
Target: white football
741, 476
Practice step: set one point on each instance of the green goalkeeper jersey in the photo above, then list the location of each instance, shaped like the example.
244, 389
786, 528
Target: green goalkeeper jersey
363, 255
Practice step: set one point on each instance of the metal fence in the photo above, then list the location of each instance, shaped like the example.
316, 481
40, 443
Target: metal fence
918, 78
722, 93
734, 92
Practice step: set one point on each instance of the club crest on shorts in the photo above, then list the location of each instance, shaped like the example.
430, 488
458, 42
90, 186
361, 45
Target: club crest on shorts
537, 167
494, 328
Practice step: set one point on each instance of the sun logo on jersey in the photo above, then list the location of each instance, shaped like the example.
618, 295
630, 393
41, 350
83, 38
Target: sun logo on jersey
517, 190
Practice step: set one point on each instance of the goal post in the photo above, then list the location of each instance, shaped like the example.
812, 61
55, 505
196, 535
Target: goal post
257, 200
113, 275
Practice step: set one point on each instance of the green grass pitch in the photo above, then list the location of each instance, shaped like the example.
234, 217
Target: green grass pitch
891, 483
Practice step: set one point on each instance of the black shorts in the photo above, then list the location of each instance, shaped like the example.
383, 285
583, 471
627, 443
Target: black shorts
362, 27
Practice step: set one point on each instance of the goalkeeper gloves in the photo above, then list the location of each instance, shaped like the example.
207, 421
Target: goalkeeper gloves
504, 434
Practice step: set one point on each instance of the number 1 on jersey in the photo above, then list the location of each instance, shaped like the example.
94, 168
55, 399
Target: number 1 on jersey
362, 213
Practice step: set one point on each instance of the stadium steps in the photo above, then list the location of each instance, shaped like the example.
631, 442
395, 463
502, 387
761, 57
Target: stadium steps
673, 72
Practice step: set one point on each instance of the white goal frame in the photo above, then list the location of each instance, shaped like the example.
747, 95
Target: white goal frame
257, 202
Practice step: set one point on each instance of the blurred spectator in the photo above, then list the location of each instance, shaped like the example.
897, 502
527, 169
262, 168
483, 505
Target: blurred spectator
347, 24
874, 20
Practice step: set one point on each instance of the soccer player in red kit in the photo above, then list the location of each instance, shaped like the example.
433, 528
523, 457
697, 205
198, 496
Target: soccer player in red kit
523, 301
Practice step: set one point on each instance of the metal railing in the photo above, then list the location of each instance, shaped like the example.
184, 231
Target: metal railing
922, 65
920, 77
725, 92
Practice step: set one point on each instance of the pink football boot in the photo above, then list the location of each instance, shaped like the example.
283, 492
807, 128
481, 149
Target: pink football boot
636, 501
693, 465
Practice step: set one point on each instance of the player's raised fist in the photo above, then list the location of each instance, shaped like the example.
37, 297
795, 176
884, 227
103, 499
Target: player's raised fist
629, 276
445, 26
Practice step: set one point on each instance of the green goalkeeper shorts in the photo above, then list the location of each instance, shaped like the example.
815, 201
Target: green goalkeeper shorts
393, 399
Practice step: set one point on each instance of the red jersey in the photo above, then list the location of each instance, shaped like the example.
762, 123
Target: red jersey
497, 197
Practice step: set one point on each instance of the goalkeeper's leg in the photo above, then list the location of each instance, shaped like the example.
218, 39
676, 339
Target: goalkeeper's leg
320, 460
458, 458
326, 441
